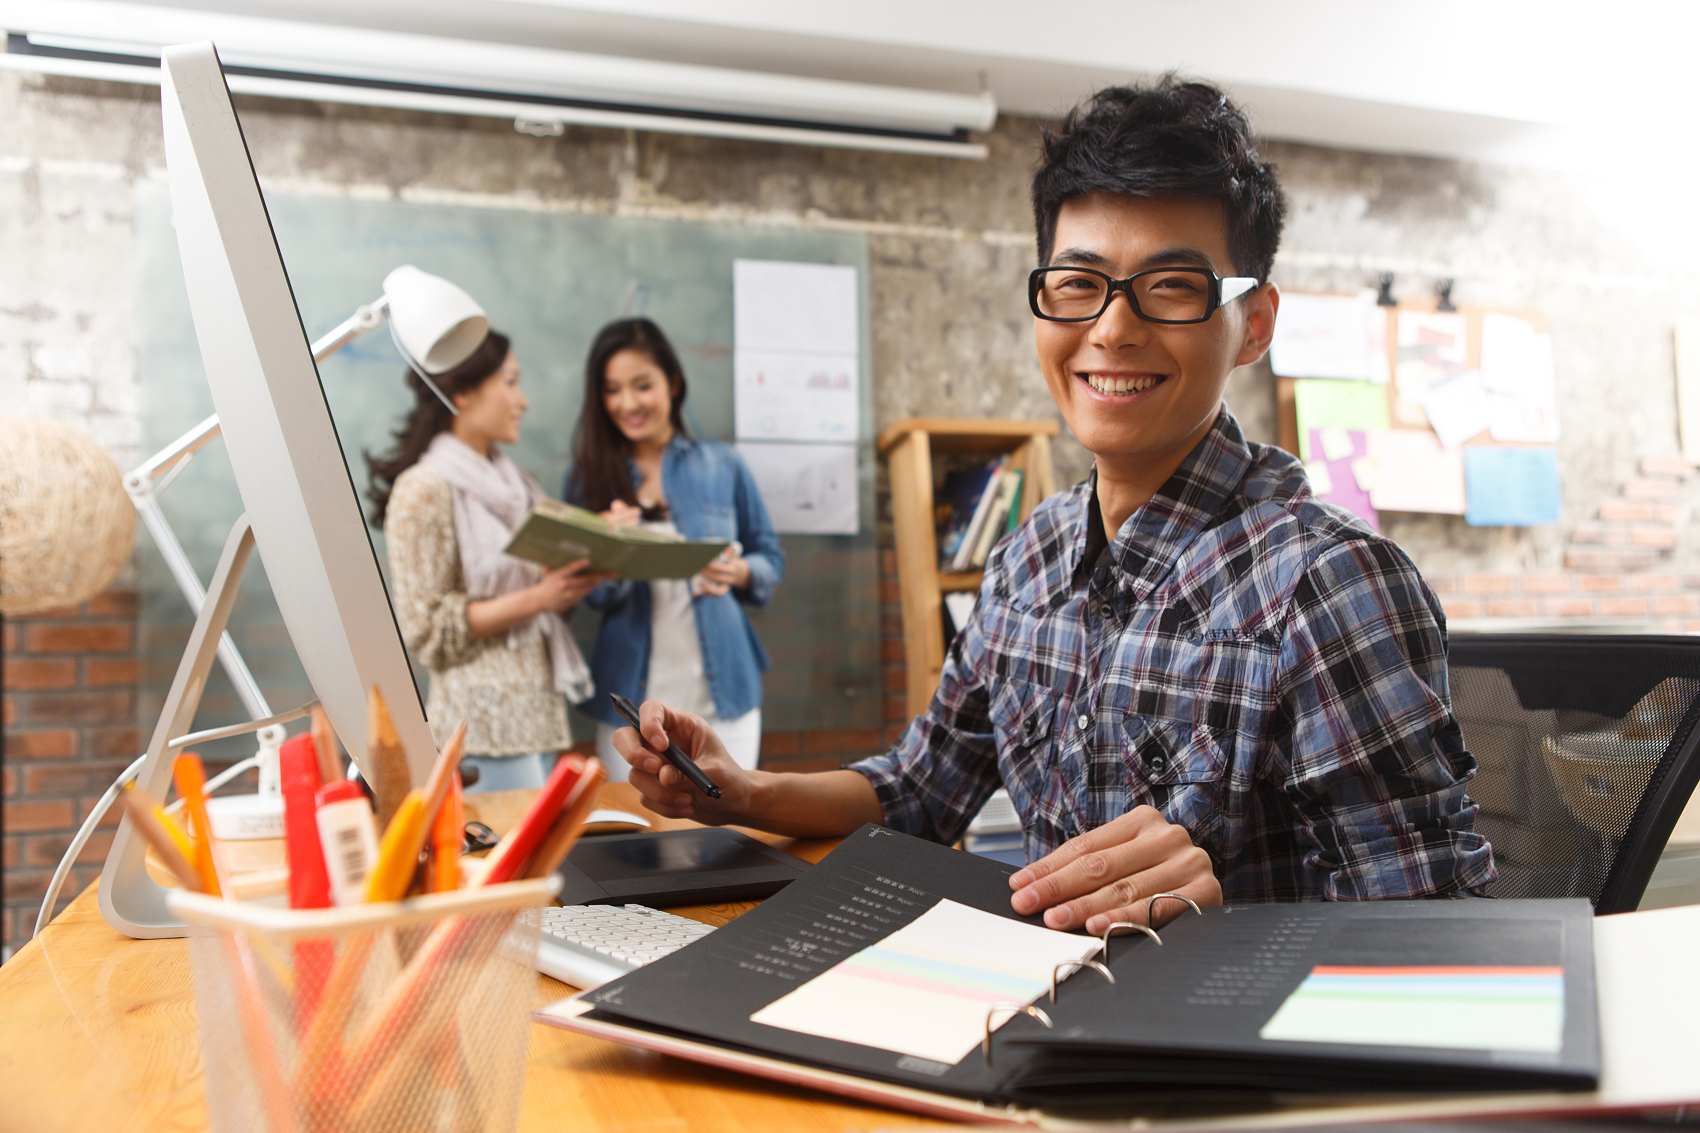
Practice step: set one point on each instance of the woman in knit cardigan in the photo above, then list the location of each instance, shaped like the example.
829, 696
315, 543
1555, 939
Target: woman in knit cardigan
490, 628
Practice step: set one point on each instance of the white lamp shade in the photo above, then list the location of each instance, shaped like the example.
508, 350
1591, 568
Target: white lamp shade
435, 321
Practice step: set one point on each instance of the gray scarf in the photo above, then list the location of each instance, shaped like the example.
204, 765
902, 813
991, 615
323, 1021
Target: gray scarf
491, 498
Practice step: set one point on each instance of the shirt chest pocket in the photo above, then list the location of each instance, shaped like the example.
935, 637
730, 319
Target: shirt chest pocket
719, 522
1021, 717
1168, 753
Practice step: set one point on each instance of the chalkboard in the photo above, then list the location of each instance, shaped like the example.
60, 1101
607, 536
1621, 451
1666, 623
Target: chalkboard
549, 280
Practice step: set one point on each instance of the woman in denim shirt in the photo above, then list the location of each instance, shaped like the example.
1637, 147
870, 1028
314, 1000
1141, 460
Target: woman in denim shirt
686, 642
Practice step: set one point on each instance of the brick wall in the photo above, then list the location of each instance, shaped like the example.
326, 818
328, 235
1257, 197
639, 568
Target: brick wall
69, 680
1617, 565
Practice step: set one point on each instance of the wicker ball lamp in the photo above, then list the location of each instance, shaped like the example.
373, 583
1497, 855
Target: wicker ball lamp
66, 524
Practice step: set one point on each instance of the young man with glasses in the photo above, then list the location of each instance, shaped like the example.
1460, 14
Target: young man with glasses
1191, 675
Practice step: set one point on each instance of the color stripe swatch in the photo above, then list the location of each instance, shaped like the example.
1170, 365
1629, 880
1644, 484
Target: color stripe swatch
1475, 1007
925, 989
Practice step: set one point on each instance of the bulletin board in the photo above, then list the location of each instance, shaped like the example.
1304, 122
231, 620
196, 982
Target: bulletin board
548, 280
1411, 454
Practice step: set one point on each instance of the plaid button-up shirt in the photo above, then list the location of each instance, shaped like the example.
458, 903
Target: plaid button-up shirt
1258, 665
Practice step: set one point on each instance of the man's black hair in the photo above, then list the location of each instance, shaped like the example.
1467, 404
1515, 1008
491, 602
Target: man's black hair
1172, 136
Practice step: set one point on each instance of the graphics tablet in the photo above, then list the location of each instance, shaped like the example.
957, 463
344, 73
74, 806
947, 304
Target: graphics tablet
675, 867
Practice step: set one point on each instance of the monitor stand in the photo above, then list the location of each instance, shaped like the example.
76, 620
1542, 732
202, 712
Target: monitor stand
131, 901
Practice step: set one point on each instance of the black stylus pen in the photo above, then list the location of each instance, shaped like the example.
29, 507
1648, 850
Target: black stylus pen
677, 758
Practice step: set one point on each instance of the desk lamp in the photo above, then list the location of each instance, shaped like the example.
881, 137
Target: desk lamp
436, 326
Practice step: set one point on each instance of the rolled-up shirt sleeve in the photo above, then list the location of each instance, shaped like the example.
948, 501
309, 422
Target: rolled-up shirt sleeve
1376, 766
941, 771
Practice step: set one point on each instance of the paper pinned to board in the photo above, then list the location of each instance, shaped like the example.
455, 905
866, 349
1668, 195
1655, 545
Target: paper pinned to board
1415, 472
1458, 408
1329, 337
781, 307
1337, 404
925, 989
1517, 371
808, 489
1432, 346
797, 397
1512, 486
1333, 475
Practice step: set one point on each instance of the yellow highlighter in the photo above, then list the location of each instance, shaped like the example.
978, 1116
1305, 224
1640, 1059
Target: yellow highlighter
398, 854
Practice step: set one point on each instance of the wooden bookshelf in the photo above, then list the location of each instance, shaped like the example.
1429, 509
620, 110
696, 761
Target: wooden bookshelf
909, 447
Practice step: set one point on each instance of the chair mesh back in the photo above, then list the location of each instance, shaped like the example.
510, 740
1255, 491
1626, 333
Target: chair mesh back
1570, 735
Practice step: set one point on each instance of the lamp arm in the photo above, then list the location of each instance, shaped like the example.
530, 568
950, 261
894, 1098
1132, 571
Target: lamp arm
364, 318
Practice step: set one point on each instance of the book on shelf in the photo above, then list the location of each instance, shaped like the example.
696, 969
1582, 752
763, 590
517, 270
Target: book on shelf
998, 519
959, 500
1384, 1010
964, 556
554, 534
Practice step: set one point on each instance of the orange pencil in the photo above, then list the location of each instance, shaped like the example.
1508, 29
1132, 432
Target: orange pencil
191, 780
446, 834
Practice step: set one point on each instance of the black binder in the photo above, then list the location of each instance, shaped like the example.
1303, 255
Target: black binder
1181, 1020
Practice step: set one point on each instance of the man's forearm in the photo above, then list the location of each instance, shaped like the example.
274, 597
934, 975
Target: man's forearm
822, 804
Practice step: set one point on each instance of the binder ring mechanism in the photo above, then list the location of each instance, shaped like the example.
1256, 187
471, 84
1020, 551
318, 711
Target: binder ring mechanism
1129, 926
1009, 1008
1076, 965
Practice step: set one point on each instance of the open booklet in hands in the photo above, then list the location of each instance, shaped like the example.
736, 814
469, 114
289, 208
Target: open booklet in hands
555, 534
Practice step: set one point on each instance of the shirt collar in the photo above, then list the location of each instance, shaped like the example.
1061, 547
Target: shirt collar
1155, 536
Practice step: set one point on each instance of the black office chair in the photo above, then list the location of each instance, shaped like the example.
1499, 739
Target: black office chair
1588, 749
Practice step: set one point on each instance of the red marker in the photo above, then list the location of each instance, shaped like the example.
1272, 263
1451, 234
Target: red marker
309, 886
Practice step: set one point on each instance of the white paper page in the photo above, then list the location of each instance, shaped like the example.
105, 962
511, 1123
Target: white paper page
925, 990
1648, 990
794, 308
1506, 345
1528, 412
808, 489
1433, 346
796, 397
1458, 408
1322, 336
1415, 473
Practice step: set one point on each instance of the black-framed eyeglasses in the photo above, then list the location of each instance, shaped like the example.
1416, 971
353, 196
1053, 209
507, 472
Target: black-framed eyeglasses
1157, 295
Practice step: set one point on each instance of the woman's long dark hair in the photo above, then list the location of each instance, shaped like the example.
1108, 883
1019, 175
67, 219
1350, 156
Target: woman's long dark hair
600, 451
429, 417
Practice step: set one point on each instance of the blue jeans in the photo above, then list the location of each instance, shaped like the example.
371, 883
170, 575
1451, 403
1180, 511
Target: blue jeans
510, 772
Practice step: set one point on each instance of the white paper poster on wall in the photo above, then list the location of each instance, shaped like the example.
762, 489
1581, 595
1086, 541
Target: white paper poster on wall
796, 397
792, 308
796, 381
809, 489
1343, 337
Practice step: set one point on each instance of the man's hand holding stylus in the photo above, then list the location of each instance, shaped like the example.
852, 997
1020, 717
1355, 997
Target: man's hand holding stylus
824, 804
664, 788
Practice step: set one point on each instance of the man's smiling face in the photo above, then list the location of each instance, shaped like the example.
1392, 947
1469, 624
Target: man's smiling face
1142, 395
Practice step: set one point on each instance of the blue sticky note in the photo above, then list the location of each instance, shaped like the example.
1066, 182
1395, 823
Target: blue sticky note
1510, 486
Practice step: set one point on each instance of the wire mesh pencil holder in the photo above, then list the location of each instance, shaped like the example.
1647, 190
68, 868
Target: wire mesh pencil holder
383, 1018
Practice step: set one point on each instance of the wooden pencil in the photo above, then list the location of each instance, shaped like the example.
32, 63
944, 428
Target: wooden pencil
146, 815
386, 762
326, 747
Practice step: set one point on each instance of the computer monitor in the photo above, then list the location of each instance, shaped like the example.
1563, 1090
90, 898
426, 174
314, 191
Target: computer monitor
299, 497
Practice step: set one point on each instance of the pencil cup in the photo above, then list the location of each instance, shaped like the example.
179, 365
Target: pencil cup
382, 1018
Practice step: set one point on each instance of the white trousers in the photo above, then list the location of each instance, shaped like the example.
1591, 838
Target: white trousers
741, 736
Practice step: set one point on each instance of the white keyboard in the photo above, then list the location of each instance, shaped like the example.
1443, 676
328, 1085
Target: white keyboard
588, 945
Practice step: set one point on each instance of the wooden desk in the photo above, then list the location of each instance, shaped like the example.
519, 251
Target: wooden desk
98, 1033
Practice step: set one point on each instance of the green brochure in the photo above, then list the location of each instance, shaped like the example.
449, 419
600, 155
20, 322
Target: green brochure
555, 534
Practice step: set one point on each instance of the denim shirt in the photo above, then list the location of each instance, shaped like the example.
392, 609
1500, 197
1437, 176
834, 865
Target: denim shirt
710, 495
